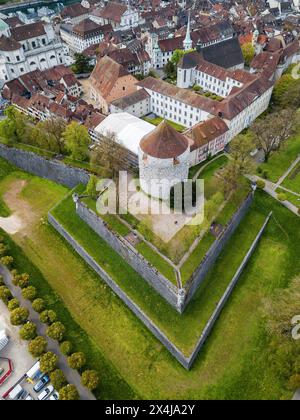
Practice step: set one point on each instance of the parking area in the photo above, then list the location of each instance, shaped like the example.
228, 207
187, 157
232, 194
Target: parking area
16, 351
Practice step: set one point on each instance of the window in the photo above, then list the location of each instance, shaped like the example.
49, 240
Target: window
33, 44
18, 58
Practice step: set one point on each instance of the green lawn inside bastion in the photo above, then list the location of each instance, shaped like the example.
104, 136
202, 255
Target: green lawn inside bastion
236, 353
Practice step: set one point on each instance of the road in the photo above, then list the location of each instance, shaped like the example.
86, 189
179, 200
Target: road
71, 375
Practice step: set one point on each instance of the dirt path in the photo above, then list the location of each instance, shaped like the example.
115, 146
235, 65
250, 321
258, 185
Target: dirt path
22, 213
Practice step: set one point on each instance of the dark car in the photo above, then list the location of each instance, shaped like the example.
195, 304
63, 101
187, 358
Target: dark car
41, 383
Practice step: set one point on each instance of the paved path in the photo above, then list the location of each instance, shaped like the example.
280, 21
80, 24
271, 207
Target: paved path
71, 375
270, 189
297, 396
284, 176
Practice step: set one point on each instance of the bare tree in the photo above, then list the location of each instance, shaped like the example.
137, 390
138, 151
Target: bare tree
271, 131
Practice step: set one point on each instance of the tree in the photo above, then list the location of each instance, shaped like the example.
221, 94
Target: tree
170, 70
69, 393
5, 294
48, 134
177, 56
15, 127
13, 304
82, 64
112, 156
37, 346
56, 331
7, 260
38, 305
19, 316
240, 152
294, 382
48, 362
21, 280
90, 379
48, 317
77, 140
91, 188
77, 360
248, 51
230, 177
29, 293
286, 92
28, 331
270, 132
66, 348
58, 379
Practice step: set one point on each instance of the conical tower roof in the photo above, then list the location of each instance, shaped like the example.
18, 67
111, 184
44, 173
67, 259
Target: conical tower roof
164, 142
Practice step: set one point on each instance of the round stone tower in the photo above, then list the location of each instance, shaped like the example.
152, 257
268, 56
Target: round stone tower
163, 160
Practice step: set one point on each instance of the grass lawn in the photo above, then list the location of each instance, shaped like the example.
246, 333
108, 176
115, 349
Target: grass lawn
5, 169
292, 182
292, 198
236, 354
156, 121
280, 161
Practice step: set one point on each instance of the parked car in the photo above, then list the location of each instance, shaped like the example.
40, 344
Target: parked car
54, 396
29, 398
41, 383
47, 391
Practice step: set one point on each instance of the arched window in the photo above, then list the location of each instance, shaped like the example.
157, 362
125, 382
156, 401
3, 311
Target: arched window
42, 60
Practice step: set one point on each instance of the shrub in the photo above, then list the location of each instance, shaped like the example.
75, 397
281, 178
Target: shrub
28, 331
37, 346
13, 304
21, 280
38, 305
3, 249
261, 184
2, 281
90, 379
48, 362
77, 360
282, 196
58, 379
19, 316
69, 393
56, 331
7, 260
48, 317
29, 293
5, 294
66, 348
294, 382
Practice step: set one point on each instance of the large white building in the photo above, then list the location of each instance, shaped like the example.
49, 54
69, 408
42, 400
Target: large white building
26, 48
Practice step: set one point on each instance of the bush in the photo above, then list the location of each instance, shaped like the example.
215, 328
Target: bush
90, 379
58, 379
19, 316
294, 382
69, 393
282, 196
5, 294
48, 362
48, 317
37, 346
56, 331
77, 360
261, 184
3, 249
7, 260
13, 304
29, 293
2, 281
28, 331
38, 305
66, 348
21, 280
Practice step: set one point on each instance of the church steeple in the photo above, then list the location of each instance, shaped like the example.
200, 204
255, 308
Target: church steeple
188, 43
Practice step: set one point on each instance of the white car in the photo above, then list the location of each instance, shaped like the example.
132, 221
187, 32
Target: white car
54, 396
29, 398
45, 394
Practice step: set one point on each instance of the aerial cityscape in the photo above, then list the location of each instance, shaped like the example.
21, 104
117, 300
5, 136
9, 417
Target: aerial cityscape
150, 202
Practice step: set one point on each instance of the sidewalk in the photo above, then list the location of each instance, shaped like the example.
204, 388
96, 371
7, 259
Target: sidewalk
71, 375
